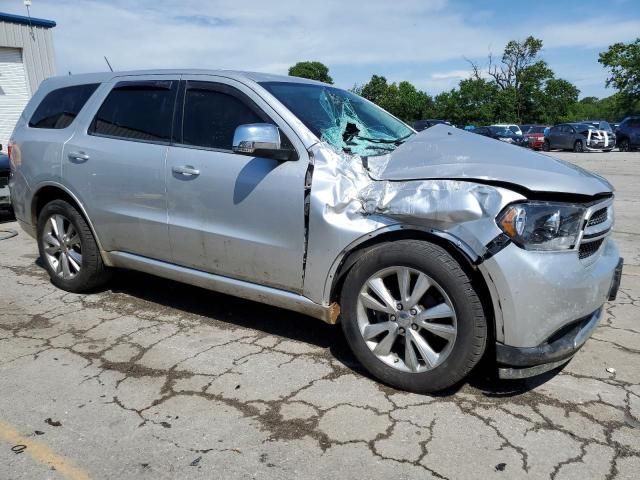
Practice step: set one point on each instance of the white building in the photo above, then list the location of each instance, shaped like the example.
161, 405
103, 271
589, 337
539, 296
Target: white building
26, 58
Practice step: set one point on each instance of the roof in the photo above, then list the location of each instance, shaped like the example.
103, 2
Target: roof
36, 22
233, 74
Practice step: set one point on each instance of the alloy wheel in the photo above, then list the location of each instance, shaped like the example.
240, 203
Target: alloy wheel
62, 246
406, 319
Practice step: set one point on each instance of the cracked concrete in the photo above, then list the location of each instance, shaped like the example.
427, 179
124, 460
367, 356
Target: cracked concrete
152, 379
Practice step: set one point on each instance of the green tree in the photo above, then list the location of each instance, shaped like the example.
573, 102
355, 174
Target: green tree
520, 75
623, 62
556, 101
312, 70
403, 99
375, 89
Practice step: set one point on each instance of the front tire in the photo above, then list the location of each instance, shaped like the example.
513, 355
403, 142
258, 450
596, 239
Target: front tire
546, 146
412, 317
69, 250
578, 146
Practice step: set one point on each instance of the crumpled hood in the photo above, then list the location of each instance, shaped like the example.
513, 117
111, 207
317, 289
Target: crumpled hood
444, 152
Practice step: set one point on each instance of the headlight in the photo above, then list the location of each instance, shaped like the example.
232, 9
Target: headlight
542, 225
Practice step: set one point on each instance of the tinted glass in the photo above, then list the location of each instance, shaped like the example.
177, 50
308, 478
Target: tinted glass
137, 111
536, 130
60, 107
500, 130
212, 115
513, 128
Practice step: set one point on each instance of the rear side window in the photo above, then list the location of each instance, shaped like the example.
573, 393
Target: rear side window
60, 107
211, 114
137, 111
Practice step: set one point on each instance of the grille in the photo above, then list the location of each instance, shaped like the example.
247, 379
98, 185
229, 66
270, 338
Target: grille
4, 181
598, 217
588, 249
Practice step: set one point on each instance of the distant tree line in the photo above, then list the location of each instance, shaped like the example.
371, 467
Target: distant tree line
518, 87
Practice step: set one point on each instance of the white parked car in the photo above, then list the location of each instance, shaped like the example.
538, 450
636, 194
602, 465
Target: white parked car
514, 128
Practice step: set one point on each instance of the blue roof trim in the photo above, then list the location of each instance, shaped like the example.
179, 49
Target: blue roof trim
36, 22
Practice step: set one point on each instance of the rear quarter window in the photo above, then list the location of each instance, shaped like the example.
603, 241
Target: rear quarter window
60, 107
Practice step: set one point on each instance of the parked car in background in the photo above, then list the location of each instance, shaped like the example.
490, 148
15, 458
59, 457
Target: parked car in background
579, 137
5, 201
525, 128
600, 125
514, 128
534, 136
628, 134
499, 133
420, 125
301, 195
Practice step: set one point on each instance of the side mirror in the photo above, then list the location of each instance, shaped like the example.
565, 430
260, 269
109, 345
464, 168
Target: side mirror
261, 140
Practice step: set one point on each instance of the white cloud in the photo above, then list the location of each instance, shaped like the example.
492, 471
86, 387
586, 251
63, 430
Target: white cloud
452, 75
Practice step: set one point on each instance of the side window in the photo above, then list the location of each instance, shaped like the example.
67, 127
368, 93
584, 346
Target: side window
60, 107
137, 111
212, 112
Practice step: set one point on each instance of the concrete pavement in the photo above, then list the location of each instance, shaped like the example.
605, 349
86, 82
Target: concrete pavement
153, 379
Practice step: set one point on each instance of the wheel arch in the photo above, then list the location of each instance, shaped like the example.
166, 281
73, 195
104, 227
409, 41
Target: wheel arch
54, 191
461, 252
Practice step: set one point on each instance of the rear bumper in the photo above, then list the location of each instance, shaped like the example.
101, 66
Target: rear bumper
5, 197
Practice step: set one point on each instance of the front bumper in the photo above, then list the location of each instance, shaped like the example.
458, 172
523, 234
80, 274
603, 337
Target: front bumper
558, 348
514, 362
537, 293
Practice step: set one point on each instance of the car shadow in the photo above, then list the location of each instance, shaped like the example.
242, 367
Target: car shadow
235, 312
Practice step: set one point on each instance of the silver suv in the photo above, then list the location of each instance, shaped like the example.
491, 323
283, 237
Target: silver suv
430, 249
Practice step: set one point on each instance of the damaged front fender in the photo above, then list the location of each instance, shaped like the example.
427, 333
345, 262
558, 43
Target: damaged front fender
348, 207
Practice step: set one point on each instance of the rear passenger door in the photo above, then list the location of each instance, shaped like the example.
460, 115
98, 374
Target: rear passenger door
235, 215
115, 163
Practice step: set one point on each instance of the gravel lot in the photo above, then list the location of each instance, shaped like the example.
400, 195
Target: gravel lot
153, 379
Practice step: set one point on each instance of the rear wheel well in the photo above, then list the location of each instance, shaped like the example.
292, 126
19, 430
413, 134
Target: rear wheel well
463, 260
46, 195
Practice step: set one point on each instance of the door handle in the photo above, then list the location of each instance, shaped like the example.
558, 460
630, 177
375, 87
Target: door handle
186, 170
83, 157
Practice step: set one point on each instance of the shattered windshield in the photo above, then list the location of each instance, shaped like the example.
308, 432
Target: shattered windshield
344, 120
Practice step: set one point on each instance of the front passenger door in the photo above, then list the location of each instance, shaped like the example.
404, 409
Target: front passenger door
231, 214
555, 137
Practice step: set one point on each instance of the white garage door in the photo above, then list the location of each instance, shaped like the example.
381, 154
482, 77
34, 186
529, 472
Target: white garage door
14, 92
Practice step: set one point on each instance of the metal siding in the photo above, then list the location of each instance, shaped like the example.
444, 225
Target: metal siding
15, 92
37, 53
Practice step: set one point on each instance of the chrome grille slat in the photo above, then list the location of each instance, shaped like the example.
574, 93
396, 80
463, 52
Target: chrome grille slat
598, 225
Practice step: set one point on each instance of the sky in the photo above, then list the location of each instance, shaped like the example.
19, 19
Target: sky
426, 42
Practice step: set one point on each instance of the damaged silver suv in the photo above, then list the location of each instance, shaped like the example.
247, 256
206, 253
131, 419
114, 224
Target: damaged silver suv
431, 249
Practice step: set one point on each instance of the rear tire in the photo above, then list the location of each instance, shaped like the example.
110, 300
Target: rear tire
578, 146
448, 316
624, 145
69, 250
